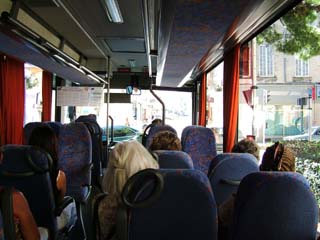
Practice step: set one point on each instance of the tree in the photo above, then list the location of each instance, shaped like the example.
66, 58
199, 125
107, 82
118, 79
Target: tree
300, 31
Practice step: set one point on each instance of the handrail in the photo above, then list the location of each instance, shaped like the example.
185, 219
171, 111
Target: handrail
111, 129
161, 102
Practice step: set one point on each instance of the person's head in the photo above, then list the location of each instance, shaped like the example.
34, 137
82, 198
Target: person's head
45, 138
247, 146
278, 158
156, 121
126, 159
165, 140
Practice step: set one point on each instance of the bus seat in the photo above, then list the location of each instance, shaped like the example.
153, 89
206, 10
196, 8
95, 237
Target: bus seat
74, 154
275, 205
28, 128
55, 126
27, 169
174, 159
155, 129
199, 142
75, 159
217, 159
97, 148
87, 118
168, 204
228, 169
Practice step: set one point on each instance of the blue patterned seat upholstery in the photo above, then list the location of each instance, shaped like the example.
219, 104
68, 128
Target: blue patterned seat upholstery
174, 159
228, 169
182, 205
273, 206
26, 168
155, 129
199, 142
97, 148
217, 159
75, 159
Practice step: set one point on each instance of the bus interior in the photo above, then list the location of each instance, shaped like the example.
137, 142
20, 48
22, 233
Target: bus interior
187, 62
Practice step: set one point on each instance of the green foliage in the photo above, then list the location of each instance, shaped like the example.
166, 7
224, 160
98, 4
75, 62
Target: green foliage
299, 34
31, 82
308, 163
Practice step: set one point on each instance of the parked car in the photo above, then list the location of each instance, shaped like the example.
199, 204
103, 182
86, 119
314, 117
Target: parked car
121, 133
315, 135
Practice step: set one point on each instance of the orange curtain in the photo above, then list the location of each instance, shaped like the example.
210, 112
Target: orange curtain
203, 100
46, 95
244, 60
12, 95
230, 97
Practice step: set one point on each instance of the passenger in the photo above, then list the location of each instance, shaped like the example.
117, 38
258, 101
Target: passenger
25, 225
165, 140
45, 138
276, 158
126, 159
156, 121
247, 146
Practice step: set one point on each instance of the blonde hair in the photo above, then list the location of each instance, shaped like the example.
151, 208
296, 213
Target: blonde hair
126, 159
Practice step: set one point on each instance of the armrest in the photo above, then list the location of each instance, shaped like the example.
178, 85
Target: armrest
66, 201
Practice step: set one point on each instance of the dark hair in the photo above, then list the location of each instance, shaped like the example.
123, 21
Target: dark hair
165, 140
156, 121
247, 146
45, 138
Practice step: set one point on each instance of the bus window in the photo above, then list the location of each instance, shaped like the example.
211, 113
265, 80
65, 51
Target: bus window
215, 102
33, 97
279, 88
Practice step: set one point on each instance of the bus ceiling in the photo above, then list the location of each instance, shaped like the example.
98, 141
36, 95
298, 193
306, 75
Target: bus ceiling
170, 42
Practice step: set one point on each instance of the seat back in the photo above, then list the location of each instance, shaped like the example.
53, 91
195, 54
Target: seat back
75, 159
199, 142
26, 168
217, 159
275, 205
55, 126
159, 209
155, 129
28, 128
174, 159
97, 147
228, 169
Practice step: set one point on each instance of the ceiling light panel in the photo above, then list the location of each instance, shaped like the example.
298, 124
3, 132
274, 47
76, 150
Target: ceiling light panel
126, 45
113, 11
